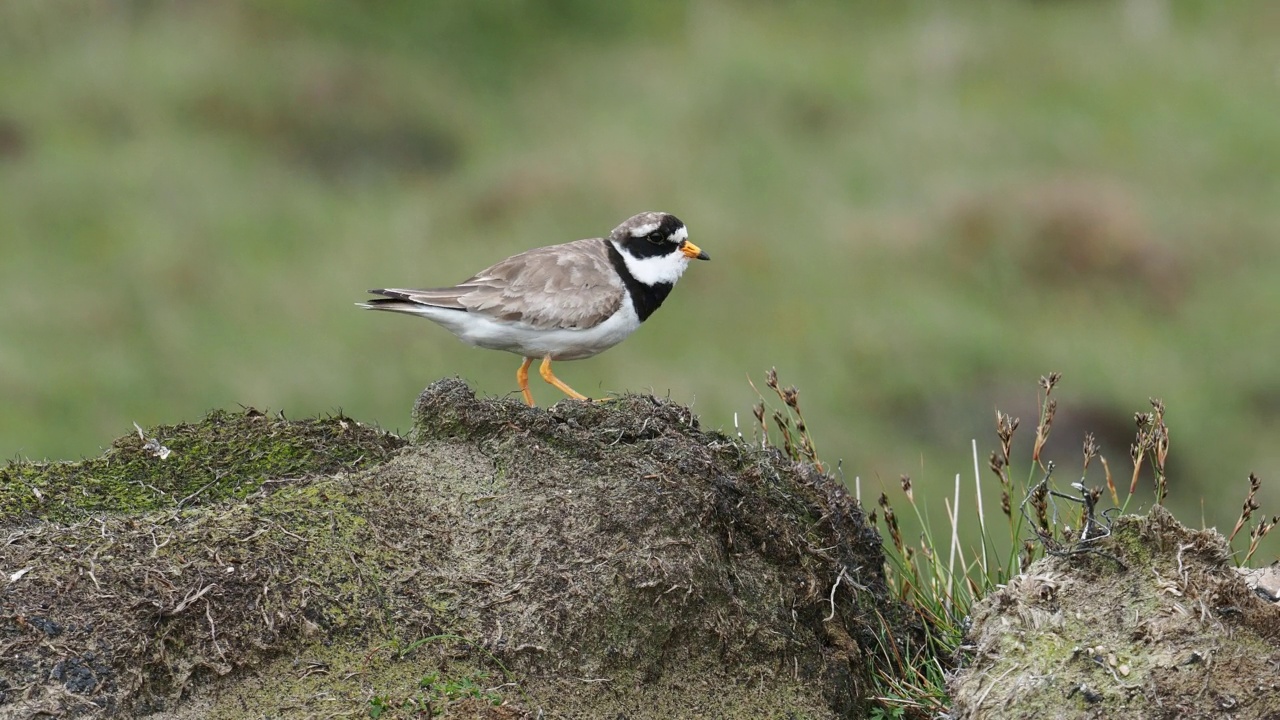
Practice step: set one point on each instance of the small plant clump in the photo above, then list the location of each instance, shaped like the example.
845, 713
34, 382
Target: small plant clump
941, 580
435, 696
1261, 529
439, 692
908, 677
1041, 523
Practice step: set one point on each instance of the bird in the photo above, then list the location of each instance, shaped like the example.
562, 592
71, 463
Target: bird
560, 302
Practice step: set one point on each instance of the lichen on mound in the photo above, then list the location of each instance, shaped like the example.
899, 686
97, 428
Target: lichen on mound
589, 560
1153, 622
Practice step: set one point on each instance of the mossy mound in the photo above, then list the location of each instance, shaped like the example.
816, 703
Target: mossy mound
1153, 622
226, 455
590, 560
114, 562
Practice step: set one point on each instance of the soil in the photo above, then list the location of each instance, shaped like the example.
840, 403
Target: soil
584, 561
1153, 621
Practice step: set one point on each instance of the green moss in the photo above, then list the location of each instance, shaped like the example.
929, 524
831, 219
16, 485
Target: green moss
226, 455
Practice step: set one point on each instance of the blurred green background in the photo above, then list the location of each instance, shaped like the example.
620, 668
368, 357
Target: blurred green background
915, 209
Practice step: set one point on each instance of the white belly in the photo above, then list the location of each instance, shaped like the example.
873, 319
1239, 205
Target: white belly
521, 339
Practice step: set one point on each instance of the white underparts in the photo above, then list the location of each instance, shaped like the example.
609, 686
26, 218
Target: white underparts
516, 337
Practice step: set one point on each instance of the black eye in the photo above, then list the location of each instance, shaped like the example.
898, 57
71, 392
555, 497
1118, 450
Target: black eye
655, 238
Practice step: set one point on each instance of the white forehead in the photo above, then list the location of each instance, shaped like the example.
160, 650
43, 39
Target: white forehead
681, 234
645, 229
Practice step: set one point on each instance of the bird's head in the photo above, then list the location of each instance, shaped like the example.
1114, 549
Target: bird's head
655, 246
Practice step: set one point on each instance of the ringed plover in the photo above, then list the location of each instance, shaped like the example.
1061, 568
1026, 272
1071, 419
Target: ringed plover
561, 302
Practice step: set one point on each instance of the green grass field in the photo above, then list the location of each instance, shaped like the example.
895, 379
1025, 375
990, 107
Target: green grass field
915, 209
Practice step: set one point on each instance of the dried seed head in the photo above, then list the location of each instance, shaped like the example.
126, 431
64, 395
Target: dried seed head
1111, 482
891, 522
1028, 554
1005, 426
1090, 448
1042, 431
1160, 444
791, 396
1265, 526
995, 462
1246, 509
771, 378
1001, 424
784, 425
906, 488
1039, 500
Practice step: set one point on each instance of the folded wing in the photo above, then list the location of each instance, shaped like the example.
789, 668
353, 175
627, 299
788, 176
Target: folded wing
569, 286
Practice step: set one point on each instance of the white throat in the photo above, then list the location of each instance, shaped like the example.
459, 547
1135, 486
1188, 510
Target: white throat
655, 270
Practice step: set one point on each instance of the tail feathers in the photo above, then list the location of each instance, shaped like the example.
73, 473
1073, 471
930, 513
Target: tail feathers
411, 301
386, 304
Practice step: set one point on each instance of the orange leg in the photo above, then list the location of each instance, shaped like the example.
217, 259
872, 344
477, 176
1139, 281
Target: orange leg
522, 377
547, 375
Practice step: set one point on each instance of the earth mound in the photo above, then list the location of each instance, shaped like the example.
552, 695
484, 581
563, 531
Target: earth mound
1153, 621
588, 560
